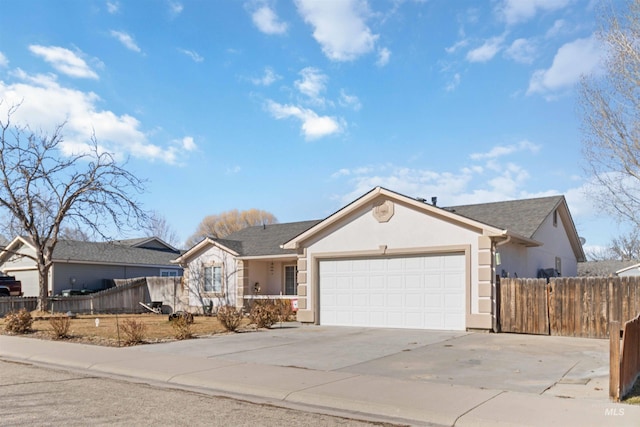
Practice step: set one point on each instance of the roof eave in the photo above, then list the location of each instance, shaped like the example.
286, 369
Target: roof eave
200, 246
295, 243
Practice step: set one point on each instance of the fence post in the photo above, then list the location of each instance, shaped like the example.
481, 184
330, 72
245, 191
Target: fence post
614, 360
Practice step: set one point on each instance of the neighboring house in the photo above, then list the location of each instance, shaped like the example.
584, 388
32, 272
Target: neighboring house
90, 265
388, 260
629, 270
606, 268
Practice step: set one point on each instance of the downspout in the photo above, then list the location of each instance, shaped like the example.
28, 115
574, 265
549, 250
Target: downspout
495, 290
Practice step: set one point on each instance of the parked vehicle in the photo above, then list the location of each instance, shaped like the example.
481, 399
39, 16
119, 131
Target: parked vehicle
9, 286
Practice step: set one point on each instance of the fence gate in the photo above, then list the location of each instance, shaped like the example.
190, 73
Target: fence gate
567, 306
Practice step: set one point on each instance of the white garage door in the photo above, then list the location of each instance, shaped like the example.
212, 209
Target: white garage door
422, 292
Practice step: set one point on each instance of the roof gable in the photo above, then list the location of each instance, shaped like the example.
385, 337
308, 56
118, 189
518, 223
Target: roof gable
380, 193
147, 243
523, 217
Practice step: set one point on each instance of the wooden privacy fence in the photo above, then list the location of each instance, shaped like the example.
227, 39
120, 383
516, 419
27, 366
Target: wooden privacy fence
624, 364
119, 299
567, 306
8, 304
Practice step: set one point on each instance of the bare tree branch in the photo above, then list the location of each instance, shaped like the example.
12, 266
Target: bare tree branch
610, 107
225, 223
42, 191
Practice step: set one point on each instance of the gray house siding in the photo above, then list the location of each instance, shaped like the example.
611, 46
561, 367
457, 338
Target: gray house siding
95, 276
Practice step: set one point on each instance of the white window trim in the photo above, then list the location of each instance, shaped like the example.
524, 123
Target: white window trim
204, 279
284, 279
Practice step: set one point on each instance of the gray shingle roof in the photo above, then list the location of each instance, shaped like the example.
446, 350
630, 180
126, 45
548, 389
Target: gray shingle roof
519, 216
604, 268
265, 240
112, 253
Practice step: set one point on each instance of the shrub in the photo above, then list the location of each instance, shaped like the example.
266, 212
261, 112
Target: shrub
264, 313
182, 327
60, 326
18, 322
285, 312
229, 317
134, 331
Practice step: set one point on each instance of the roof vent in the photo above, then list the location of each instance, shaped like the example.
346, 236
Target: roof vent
420, 199
434, 201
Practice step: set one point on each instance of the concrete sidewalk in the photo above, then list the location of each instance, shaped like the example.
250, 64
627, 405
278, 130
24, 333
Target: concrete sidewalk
355, 395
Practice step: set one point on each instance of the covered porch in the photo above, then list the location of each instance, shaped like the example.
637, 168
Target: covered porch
263, 278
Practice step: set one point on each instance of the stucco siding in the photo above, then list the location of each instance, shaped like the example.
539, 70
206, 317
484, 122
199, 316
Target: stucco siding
195, 280
408, 231
556, 244
513, 261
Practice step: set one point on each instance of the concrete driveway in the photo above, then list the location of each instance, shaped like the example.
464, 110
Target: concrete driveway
571, 367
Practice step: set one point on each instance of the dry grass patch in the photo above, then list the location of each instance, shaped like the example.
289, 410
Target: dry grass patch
157, 328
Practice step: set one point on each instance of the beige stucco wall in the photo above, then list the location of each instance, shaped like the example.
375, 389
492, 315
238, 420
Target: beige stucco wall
518, 260
195, 283
408, 231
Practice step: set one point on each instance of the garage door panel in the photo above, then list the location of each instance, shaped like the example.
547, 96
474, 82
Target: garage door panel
399, 292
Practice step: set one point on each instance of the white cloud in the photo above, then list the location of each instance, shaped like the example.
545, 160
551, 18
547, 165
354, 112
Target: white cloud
268, 78
188, 143
453, 83
192, 54
349, 101
113, 7
487, 51
4, 62
312, 84
313, 126
233, 170
504, 150
126, 40
339, 27
267, 21
457, 45
516, 11
45, 104
64, 60
558, 26
581, 56
175, 8
522, 51
384, 55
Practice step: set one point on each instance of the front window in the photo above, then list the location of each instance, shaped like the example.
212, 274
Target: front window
168, 273
290, 272
213, 279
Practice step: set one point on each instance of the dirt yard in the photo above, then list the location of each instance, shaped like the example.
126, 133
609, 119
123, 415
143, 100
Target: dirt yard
106, 329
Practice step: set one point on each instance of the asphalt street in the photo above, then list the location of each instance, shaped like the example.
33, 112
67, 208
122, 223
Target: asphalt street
37, 396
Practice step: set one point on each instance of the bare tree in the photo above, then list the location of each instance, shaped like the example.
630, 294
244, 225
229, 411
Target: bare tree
159, 227
42, 191
225, 223
68, 233
600, 254
611, 113
626, 247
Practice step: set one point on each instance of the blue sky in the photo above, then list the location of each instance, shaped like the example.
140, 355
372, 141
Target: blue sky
298, 107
